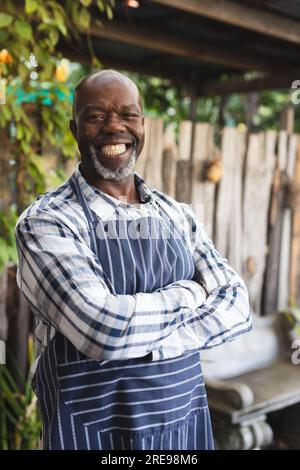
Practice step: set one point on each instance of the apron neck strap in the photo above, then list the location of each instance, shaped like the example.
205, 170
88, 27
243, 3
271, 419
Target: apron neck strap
91, 218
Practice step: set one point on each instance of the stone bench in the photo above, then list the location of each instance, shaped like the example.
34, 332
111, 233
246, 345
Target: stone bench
249, 378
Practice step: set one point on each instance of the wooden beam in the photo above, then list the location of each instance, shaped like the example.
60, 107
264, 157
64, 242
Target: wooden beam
242, 16
142, 36
206, 86
241, 85
78, 54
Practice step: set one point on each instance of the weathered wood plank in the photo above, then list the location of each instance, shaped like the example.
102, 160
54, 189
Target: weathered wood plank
183, 181
185, 139
140, 166
182, 187
270, 290
235, 225
241, 15
257, 190
228, 210
285, 244
223, 209
153, 171
169, 163
203, 191
295, 236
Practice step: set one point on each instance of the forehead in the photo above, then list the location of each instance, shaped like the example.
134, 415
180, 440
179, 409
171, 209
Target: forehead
106, 91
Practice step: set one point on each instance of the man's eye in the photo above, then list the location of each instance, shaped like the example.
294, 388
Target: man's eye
94, 117
130, 115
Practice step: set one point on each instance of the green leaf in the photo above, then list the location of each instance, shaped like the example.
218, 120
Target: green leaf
31, 6
4, 256
109, 12
19, 133
44, 14
25, 147
86, 3
53, 36
84, 18
3, 35
100, 5
47, 72
23, 71
60, 21
6, 113
24, 29
11, 418
5, 20
10, 380
61, 26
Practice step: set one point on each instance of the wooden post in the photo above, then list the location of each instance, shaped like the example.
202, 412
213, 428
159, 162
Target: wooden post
287, 166
235, 226
141, 164
183, 181
287, 119
203, 189
270, 295
193, 118
170, 156
257, 188
294, 291
228, 233
153, 164
285, 246
186, 142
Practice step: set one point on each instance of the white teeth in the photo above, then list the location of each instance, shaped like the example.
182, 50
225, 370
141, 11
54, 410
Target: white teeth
113, 149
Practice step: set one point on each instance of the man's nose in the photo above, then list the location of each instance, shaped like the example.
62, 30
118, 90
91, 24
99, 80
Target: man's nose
113, 123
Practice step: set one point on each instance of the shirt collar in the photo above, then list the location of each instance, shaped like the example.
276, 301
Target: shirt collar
105, 205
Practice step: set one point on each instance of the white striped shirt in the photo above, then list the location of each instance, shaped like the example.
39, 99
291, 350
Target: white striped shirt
63, 281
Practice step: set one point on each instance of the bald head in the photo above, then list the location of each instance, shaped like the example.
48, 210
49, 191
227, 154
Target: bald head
100, 79
108, 124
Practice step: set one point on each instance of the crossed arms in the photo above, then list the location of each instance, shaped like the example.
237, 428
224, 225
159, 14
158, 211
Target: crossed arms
63, 280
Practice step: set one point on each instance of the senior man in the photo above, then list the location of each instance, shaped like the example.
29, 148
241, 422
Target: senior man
126, 288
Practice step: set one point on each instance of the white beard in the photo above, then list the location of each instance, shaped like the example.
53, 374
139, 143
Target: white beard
119, 174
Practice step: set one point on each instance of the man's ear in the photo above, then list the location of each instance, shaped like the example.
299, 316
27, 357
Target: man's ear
73, 128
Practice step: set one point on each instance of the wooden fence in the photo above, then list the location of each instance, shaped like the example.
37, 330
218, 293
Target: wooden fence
247, 191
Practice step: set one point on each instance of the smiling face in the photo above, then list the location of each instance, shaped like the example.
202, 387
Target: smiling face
108, 125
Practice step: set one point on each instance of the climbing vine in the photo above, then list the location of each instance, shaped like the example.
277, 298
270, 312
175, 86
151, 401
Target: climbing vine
35, 99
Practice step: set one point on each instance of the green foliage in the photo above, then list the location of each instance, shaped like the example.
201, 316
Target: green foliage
30, 33
38, 100
8, 250
5, 20
160, 98
20, 423
292, 318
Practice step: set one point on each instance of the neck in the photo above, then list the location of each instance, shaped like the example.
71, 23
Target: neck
123, 190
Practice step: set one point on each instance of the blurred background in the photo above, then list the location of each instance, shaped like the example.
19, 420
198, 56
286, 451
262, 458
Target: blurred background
220, 82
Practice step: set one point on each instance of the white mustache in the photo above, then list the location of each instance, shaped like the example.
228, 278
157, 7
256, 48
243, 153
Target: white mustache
118, 174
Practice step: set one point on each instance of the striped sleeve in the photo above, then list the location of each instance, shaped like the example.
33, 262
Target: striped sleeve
226, 313
62, 279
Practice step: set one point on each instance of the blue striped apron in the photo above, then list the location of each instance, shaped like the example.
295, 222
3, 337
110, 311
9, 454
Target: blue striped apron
130, 404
